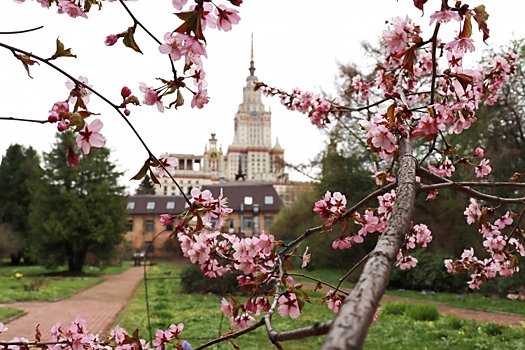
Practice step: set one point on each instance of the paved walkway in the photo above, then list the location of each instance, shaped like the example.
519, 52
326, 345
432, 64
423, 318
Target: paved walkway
99, 305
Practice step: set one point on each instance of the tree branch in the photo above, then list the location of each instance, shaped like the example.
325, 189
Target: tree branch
349, 329
442, 183
24, 120
23, 31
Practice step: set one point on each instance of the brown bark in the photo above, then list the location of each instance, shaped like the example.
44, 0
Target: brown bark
348, 330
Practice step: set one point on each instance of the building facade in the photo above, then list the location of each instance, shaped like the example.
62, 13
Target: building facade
250, 157
254, 209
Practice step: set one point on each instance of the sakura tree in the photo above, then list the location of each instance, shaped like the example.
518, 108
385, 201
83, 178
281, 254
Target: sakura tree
420, 93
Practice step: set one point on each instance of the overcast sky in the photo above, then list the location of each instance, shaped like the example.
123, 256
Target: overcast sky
298, 43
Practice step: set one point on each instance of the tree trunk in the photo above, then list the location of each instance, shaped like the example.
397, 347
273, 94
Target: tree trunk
348, 330
76, 261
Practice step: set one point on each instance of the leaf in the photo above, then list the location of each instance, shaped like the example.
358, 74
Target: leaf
466, 32
153, 177
192, 23
129, 40
481, 16
27, 61
142, 172
409, 59
38, 334
61, 52
419, 4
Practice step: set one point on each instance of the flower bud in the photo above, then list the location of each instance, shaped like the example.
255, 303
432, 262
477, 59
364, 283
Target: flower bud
125, 92
111, 40
62, 126
236, 2
53, 118
127, 112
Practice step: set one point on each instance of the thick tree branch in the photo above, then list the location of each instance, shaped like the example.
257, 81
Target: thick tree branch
348, 330
301, 333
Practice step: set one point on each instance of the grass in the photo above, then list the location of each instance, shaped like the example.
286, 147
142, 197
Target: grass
7, 313
35, 283
473, 301
203, 321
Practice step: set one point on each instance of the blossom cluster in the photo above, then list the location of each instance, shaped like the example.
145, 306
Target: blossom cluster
317, 108
502, 248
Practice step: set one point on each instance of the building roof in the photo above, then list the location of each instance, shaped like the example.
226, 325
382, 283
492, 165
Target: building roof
160, 205
237, 191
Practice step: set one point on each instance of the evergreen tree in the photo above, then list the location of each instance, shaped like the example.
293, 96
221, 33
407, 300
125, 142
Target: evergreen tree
146, 186
19, 172
82, 209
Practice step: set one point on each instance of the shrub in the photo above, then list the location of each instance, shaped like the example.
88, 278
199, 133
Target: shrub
494, 329
429, 274
422, 312
193, 281
395, 308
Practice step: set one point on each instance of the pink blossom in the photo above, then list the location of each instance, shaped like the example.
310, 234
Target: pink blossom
169, 164
407, 262
342, 243
151, 97
431, 194
193, 50
200, 99
62, 125
73, 11
111, 39
444, 16
3, 328
505, 220
166, 219
479, 152
179, 4
288, 306
89, 136
461, 45
483, 169
472, 211
242, 321
226, 17
84, 93
226, 307
174, 42
175, 330
305, 258
423, 235
334, 303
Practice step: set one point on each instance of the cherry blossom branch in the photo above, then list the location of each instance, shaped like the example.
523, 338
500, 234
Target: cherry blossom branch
232, 335
103, 98
473, 184
350, 211
24, 120
23, 31
137, 22
426, 174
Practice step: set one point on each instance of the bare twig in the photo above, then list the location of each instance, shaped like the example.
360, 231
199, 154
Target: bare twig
22, 31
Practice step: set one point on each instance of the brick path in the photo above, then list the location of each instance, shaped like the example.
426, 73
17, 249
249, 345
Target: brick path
99, 305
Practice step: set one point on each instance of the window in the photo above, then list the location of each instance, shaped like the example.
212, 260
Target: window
248, 200
197, 182
149, 226
268, 200
247, 222
267, 222
213, 223
231, 224
169, 228
170, 205
172, 188
130, 206
150, 205
130, 225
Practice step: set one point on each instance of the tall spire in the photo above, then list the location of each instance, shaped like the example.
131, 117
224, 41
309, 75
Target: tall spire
252, 68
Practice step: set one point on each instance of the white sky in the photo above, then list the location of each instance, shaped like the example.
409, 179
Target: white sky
297, 44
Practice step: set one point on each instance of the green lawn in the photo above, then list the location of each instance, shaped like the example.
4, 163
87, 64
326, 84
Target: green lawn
7, 313
203, 321
34, 283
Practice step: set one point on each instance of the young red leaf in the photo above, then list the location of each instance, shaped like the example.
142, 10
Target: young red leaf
129, 40
27, 61
466, 32
481, 16
192, 23
409, 59
142, 172
61, 52
419, 4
